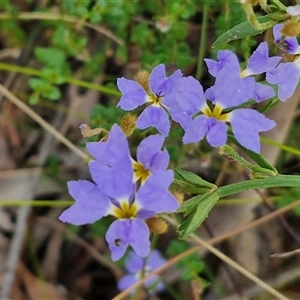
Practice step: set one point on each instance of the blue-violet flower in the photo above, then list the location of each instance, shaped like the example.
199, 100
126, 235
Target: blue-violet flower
175, 94
246, 123
258, 63
286, 75
115, 192
138, 267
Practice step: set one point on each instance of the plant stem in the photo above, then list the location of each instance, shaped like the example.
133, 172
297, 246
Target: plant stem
276, 181
202, 42
36, 203
85, 84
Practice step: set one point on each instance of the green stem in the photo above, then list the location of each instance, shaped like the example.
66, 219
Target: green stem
203, 38
279, 5
81, 83
256, 170
276, 181
280, 146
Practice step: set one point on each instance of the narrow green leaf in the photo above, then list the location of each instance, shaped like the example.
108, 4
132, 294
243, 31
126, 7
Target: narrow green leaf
257, 157
192, 179
189, 205
281, 146
196, 218
244, 30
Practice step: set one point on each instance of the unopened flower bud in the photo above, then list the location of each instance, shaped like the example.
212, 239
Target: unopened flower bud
142, 77
127, 124
179, 196
289, 57
291, 29
157, 225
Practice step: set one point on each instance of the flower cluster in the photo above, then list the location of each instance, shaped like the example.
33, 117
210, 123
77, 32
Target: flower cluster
176, 94
206, 114
134, 192
131, 191
138, 267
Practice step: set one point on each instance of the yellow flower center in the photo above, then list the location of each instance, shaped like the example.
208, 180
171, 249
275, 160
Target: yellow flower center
126, 211
140, 172
216, 112
154, 100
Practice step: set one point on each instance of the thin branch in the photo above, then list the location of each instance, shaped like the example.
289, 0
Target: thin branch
43, 123
56, 17
240, 269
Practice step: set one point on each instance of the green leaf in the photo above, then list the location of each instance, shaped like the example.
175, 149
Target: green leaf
204, 205
52, 76
191, 204
44, 88
51, 57
193, 179
243, 30
34, 99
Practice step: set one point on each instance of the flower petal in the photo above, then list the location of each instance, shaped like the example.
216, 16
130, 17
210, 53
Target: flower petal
159, 83
134, 262
227, 59
187, 96
262, 92
133, 94
196, 131
231, 90
139, 237
116, 182
122, 233
286, 76
126, 281
91, 204
156, 78
113, 149
217, 133
293, 10
259, 62
117, 238
149, 153
154, 194
154, 116
246, 124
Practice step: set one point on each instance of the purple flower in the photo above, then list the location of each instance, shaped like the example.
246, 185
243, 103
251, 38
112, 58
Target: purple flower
180, 96
260, 62
246, 87
286, 75
115, 192
150, 158
212, 123
289, 44
138, 267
